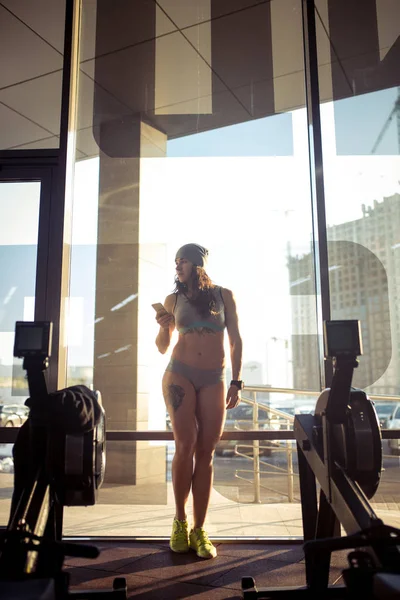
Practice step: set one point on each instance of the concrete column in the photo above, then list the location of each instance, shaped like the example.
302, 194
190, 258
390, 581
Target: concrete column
116, 350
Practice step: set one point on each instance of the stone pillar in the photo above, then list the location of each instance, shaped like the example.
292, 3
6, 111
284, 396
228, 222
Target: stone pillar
123, 384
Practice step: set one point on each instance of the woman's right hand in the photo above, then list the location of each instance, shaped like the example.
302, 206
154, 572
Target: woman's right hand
164, 319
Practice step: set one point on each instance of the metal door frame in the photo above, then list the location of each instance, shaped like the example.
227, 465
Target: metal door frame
47, 272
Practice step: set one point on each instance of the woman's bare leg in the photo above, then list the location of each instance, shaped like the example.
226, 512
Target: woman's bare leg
180, 400
210, 414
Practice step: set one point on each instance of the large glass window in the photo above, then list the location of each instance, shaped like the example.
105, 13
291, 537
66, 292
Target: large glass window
221, 177
19, 222
361, 157
361, 160
192, 127
195, 130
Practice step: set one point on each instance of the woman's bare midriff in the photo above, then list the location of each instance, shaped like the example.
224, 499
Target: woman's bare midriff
201, 349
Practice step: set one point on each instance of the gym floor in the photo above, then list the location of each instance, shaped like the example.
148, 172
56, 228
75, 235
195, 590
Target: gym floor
152, 571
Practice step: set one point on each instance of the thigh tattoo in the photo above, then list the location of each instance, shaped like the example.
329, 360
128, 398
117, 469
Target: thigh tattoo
176, 393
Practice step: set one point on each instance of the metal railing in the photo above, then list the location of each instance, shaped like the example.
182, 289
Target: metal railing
275, 419
270, 432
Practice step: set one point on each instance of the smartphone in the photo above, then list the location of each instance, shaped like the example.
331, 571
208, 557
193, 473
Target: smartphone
158, 306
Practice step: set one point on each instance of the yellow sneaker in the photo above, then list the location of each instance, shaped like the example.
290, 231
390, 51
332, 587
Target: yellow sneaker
199, 542
179, 541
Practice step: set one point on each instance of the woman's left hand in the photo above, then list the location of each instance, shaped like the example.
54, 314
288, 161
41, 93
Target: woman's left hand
232, 397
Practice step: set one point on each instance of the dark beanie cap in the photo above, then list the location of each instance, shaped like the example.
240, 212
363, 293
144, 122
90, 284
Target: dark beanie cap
195, 253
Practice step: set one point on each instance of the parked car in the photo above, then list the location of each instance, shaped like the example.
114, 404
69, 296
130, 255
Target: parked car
13, 415
168, 422
384, 410
394, 423
241, 419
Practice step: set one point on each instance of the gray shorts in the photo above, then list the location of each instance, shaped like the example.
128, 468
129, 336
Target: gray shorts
199, 378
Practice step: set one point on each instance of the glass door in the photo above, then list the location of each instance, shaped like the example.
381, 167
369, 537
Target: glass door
24, 218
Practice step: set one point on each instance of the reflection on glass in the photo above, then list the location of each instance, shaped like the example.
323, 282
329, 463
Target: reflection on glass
81, 305
19, 218
235, 181
209, 149
361, 154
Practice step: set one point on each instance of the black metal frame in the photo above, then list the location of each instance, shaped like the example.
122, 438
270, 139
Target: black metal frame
320, 245
45, 285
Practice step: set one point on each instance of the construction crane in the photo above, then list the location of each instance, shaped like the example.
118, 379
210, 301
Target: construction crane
394, 112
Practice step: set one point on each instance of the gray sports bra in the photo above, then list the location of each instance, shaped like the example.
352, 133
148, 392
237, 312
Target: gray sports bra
187, 317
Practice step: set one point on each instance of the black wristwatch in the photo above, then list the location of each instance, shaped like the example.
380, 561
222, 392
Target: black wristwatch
238, 382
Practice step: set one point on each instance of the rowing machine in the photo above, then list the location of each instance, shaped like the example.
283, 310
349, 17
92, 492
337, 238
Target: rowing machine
340, 449
59, 460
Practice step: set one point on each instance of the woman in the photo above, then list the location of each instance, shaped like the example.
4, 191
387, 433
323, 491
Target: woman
194, 387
